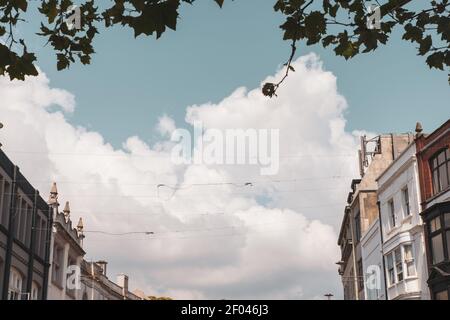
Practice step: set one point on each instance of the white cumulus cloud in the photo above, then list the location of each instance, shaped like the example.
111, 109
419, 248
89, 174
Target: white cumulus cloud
214, 235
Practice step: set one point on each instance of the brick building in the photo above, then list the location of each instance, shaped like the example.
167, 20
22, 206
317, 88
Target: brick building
433, 157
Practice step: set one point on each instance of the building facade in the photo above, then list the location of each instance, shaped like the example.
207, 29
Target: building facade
403, 242
66, 252
433, 157
362, 212
71, 277
95, 284
25, 221
372, 258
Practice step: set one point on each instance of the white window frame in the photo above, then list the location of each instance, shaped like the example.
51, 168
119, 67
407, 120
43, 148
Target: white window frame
403, 263
391, 279
35, 289
406, 202
399, 265
412, 260
391, 213
15, 285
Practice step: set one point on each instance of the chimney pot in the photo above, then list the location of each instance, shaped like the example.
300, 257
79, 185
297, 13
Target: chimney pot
122, 281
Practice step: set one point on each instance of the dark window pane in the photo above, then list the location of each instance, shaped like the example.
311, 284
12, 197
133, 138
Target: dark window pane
358, 227
443, 177
448, 170
437, 249
392, 213
435, 224
447, 219
441, 158
406, 201
436, 185
390, 267
448, 245
434, 163
441, 295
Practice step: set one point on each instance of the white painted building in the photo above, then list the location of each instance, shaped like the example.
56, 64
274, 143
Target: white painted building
403, 244
95, 284
71, 276
66, 252
372, 258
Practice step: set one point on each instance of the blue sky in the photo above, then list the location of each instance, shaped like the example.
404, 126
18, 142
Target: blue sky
132, 82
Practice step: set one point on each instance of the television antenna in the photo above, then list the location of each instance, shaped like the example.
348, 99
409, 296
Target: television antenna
365, 156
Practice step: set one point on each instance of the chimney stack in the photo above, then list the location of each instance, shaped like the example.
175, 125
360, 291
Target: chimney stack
103, 264
122, 281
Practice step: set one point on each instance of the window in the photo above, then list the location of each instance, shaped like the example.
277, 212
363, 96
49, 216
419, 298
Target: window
448, 244
34, 291
390, 267
399, 264
38, 234
28, 228
409, 261
447, 220
1, 199
437, 248
41, 235
23, 221
406, 207
360, 275
439, 238
358, 227
15, 285
17, 216
435, 224
5, 202
441, 295
440, 170
1, 273
57, 265
391, 209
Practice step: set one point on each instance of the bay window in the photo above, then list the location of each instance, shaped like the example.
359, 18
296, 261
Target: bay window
400, 264
439, 229
409, 261
390, 267
440, 170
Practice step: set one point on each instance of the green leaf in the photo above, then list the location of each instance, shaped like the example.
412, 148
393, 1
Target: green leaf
219, 2
436, 60
425, 45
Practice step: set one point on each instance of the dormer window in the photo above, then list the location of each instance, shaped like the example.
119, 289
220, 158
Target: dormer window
440, 170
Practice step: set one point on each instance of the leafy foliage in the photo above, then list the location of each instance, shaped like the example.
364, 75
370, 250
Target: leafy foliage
343, 25
339, 24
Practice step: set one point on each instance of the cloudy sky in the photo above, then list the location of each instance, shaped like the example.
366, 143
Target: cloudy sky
220, 231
